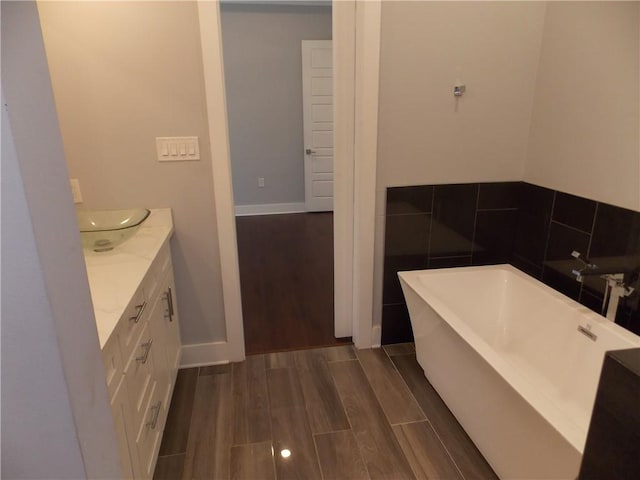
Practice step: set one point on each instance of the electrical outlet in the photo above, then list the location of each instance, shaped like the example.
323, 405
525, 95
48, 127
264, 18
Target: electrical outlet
261, 182
75, 190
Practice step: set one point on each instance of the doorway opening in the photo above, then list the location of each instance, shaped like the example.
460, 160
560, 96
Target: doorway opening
278, 79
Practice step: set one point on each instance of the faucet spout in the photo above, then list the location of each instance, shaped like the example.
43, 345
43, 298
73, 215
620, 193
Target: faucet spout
615, 290
617, 280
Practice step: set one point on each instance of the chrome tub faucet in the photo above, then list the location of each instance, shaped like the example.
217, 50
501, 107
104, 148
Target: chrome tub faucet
616, 283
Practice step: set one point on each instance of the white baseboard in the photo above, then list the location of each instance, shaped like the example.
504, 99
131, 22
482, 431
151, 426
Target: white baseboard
376, 336
203, 354
269, 209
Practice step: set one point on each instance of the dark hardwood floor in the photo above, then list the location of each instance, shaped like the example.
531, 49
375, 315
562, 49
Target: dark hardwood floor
340, 413
286, 276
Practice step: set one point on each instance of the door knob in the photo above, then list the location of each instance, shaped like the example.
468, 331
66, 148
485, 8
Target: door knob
308, 151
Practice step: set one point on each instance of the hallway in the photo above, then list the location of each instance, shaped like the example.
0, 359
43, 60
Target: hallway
286, 276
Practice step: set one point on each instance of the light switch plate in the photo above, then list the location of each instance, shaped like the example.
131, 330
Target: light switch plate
75, 190
177, 149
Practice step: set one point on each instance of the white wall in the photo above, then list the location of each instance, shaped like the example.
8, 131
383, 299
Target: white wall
425, 135
584, 132
552, 98
56, 418
124, 73
263, 76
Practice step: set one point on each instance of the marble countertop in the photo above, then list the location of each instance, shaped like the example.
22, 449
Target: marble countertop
115, 276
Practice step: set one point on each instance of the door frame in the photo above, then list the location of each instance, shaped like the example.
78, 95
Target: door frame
356, 57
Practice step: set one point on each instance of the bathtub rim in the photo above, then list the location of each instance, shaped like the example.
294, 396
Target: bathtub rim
542, 403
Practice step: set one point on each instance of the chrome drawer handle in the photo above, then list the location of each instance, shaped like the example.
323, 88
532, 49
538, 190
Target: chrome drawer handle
140, 309
147, 348
154, 420
169, 297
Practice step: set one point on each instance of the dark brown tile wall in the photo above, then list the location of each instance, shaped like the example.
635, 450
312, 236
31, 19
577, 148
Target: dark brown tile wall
453, 220
611, 450
534, 215
531, 227
438, 227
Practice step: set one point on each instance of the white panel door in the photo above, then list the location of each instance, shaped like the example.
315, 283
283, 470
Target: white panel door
317, 105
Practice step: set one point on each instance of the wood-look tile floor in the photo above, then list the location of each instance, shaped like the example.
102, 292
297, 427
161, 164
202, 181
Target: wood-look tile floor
340, 413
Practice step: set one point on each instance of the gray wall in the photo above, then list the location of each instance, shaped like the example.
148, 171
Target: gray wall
263, 74
32, 368
124, 73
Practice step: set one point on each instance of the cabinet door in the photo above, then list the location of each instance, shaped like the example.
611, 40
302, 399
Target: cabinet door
172, 324
140, 370
126, 438
162, 369
149, 435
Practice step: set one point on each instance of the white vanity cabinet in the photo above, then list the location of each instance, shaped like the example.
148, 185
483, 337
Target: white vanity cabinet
172, 326
141, 358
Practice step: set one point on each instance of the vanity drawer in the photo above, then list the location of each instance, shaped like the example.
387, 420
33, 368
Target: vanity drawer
164, 260
151, 284
139, 373
122, 420
113, 364
161, 264
131, 323
150, 432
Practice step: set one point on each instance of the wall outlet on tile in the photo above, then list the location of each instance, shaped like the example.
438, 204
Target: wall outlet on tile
261, 182
75, 190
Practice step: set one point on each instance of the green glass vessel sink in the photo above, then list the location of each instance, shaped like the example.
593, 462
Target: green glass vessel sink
102, 230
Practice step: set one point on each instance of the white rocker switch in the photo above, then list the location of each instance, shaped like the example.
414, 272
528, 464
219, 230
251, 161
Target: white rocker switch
177, 149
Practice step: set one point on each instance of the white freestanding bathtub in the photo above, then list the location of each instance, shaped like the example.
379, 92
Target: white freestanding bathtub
505, 353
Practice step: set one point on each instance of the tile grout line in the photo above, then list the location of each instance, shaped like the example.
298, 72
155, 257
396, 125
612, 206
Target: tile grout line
233, 445
386, 417
455, 464
588, 254
172, 455
435, 431
570, 227
344, 360
346, 414
475, 222
375, 395
191, 409
193, 401
405, 214
296, 369
406, 384
332, 431
233, 416
505, 209
410, 423
266, 384
432, 214
441, 257
315, 449
548, 236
